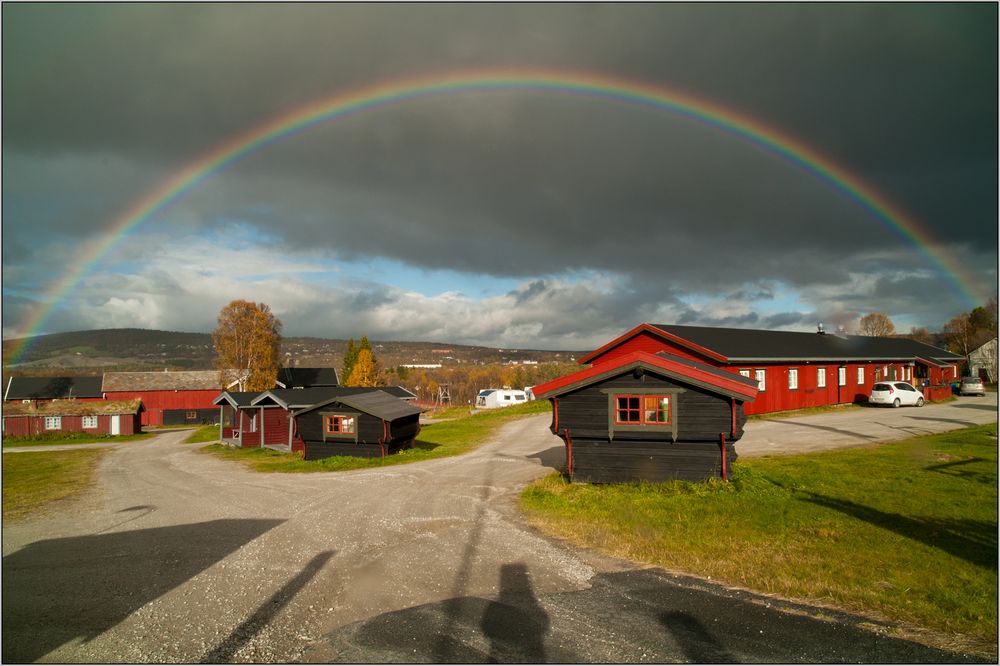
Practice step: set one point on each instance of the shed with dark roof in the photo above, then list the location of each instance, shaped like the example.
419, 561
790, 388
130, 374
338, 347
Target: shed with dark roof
266, 418
649, 417
370, 424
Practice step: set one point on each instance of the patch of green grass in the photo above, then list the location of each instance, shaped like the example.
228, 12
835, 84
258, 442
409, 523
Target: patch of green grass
33, 480
806, 411
906, 529
436, 440
59, 439
205, 433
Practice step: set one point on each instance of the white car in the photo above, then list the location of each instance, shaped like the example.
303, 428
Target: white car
971, 386
895, 394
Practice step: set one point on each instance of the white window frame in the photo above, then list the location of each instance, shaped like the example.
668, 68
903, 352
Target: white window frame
820, 377
761, 376
53, 423
89, 422
745, 373
793, 379
861, 375
841, 376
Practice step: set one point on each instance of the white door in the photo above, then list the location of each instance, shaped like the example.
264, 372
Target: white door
116, 425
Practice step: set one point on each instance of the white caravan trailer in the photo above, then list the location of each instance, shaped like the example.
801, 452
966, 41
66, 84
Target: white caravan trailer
494, 398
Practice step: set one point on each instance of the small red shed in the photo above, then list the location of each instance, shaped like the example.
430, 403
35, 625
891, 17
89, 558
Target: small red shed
117, 417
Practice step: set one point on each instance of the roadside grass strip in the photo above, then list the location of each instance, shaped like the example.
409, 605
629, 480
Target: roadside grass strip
436, 440
62, 439
33, 480
206, 433
906, 530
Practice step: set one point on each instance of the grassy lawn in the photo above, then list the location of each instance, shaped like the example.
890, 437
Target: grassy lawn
33, 480
907, 530
205, 433
74, 438
437, 440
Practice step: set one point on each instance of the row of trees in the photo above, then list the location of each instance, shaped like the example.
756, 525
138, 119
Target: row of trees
962, 334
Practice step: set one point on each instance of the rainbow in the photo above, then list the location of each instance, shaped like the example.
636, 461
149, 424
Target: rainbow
546, 81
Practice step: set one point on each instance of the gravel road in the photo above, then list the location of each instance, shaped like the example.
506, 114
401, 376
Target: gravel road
181, 557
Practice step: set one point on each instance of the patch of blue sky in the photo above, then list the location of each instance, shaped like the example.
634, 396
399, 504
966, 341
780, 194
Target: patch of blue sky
403, 276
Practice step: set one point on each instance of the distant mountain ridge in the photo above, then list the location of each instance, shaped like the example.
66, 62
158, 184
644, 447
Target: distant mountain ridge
94, 351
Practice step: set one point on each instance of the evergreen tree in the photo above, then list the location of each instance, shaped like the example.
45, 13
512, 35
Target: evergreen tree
350, 358
364, 372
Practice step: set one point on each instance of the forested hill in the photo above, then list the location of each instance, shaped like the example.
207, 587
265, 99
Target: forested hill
93, 352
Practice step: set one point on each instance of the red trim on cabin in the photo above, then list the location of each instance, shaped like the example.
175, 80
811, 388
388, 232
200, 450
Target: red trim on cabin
569, 452
648, 329
732, 405
555, 415
722, 446
651, 361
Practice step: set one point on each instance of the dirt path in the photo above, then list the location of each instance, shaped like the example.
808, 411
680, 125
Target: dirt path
183, 557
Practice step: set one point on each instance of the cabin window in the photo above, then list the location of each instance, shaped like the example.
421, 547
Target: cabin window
861, 376
339, 424
745, 373
89, 421
53, 423
820, 377
642, 409
793, 378
842, 376
761, 383
192, 415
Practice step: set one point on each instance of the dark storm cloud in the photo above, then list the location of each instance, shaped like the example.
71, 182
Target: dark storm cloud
102, 102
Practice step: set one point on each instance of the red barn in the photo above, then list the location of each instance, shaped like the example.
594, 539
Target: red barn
120, 417
795, 370
168, 398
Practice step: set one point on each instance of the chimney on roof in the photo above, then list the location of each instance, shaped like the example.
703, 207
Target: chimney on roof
819, 329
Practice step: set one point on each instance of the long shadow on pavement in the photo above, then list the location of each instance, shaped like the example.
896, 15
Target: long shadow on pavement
625, 617
57, 590
266, 612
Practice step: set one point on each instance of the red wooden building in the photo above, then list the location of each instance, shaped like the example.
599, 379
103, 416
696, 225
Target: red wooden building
256, 419
119, 417
795, 370
168, 398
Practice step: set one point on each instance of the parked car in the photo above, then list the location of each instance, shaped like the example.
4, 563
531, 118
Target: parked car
971, 386
895, 394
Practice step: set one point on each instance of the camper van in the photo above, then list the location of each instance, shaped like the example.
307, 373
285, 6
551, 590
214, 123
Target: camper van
494, 398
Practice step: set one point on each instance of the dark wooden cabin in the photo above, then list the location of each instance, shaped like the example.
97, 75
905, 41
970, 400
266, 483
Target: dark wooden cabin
371, 424
650, 417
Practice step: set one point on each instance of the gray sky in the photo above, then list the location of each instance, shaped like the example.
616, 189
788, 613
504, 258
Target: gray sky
512, 218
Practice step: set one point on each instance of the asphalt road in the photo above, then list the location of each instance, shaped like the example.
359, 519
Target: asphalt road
180, 557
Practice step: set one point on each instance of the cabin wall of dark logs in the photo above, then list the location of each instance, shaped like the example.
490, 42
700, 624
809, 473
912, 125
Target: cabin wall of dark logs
374, 437
598, 452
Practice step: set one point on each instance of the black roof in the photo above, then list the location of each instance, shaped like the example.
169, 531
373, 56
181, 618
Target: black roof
236, 398
739, 344
376, 402
712, 370
307, 377
52, 388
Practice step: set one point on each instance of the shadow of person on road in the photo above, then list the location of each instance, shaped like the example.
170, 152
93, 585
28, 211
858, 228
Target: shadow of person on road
515, 623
